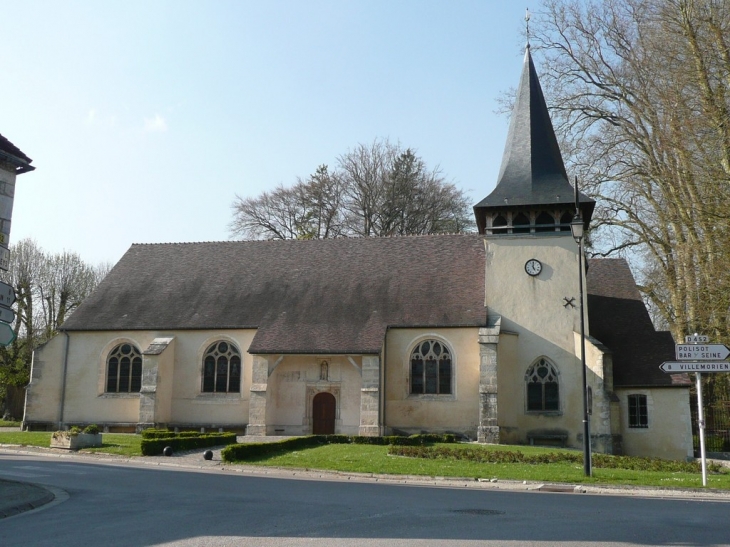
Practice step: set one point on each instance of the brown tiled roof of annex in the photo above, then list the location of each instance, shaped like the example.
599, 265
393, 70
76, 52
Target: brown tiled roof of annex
618, 318
320, 296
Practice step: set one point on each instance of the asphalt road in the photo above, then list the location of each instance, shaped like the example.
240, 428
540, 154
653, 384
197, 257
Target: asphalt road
147, 505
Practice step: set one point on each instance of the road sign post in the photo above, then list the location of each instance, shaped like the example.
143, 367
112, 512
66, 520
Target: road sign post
698, 355
701, 427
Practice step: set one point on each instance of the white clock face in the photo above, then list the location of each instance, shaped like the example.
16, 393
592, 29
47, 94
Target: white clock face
533, 267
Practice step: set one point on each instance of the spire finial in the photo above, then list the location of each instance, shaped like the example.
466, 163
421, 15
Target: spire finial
527, 26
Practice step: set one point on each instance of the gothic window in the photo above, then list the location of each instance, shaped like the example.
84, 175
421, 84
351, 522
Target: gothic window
545, 222
521, 224
124, 370
430, 368
542, 387
222, 369
638, 411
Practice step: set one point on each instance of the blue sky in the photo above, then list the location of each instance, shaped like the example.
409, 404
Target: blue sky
144, 119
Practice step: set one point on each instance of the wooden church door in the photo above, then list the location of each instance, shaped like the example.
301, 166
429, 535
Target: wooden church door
323, 414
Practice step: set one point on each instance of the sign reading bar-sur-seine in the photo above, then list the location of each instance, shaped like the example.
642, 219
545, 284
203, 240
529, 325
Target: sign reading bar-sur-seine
701, 352
7, 295
697, 366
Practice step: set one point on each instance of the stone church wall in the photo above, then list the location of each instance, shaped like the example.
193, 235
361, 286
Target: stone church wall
669, 431
295, 381
457, 412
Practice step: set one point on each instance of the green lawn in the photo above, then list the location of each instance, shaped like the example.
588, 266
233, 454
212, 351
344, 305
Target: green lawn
375, 459
122, 444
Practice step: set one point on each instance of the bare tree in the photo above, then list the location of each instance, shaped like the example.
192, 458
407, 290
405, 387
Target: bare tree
66, 281
639, 91
48, 289
375, 190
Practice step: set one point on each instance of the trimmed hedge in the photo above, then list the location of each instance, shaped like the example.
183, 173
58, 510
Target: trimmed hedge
154, 446
165, 434
252, 451
482, 455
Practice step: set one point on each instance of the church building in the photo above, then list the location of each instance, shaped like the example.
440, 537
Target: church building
474, 334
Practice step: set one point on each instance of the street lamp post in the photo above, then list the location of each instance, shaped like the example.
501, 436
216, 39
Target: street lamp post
577, 228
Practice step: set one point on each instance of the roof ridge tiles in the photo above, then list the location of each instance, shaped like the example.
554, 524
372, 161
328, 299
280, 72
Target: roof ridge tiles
345, 238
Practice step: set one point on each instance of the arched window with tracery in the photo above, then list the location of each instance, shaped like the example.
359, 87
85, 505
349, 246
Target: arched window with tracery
222, 368
543, 391
431, 368
124, 369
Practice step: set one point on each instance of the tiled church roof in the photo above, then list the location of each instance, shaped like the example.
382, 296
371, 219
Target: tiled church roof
339, 296
619, 319
319, 296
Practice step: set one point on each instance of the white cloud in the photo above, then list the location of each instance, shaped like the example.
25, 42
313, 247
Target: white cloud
96, 119
155, 125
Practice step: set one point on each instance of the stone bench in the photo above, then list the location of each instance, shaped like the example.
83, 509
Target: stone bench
547, 437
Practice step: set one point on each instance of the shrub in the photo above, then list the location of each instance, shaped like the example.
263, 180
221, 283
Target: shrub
714, 443
154, 446
91, 429
165, 434
253, 451
482, 455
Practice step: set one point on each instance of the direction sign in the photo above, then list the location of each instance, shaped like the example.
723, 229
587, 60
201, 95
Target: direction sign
696, 339
4, 258
7, 295
7, 335
6, 315
699, 366
701, 352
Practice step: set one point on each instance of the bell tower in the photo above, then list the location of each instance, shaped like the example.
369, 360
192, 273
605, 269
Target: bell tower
533, 194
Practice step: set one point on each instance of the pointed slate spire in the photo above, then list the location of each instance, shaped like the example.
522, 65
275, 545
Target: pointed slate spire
532, 172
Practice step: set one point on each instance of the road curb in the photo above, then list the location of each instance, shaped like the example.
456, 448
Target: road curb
193, 460
30, 496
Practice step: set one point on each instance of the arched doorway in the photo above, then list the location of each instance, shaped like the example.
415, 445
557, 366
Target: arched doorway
323, 414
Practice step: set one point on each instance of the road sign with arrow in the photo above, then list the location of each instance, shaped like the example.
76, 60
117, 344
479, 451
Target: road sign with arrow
701, 352
7, 334
7, 295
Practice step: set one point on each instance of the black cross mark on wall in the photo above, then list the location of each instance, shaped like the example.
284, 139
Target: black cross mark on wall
569, 302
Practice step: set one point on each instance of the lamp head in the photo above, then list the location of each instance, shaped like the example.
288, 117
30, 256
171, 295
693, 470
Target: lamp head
577, 228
